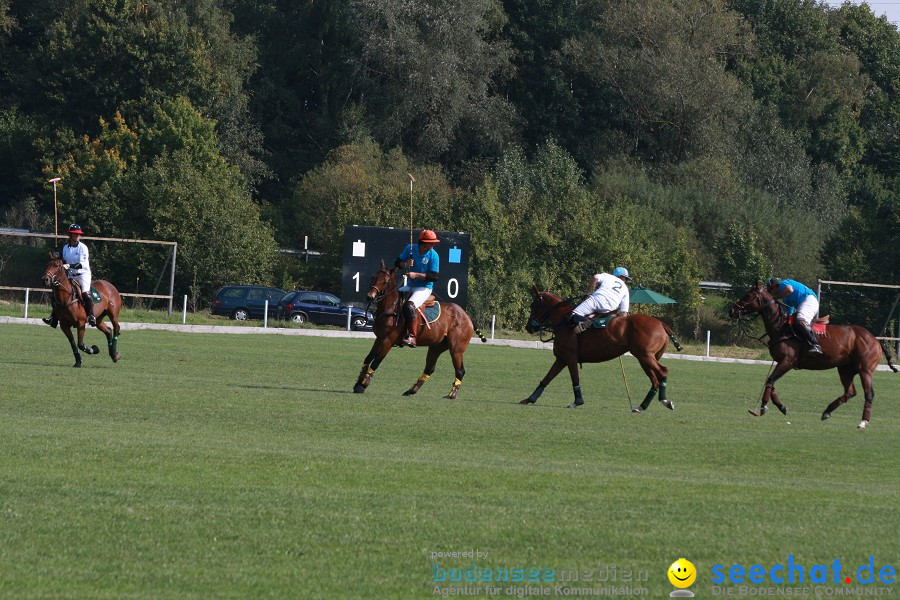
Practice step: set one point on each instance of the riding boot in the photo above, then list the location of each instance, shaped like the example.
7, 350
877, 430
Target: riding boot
412, 319
89, 308
810, 336
52, 321
579, 323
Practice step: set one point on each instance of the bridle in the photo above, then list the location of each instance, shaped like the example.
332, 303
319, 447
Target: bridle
745, 310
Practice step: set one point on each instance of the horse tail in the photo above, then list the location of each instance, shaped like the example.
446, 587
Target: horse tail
672, 337
887, 355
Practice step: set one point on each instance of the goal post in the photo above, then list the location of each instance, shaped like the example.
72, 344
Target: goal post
163, 243
883, 333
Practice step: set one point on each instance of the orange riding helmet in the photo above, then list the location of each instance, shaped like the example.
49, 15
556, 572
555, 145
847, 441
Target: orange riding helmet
428, 237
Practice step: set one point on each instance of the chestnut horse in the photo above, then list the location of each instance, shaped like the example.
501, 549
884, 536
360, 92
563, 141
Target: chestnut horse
642, 335
70, 311
451, 331
851, 349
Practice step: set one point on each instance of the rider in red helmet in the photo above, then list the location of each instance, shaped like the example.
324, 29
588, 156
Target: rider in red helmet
75, 256
423, 265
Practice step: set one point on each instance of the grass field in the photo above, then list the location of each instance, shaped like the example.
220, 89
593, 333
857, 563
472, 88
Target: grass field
208, 465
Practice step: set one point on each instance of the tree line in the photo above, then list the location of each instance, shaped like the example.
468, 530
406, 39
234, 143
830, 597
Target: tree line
687, 139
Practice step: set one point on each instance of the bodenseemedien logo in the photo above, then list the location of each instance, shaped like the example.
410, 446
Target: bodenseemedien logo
682, 574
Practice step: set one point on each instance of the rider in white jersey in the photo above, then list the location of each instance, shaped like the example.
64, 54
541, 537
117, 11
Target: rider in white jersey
607, 294
77, 259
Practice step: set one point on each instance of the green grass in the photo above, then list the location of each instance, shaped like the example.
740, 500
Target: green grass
210, 465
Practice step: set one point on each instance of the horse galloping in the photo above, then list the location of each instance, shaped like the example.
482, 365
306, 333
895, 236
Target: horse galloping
70, 311
451, 331
851, 349
644, 336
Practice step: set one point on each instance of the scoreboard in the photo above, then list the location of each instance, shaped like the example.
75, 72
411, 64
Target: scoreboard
364, 247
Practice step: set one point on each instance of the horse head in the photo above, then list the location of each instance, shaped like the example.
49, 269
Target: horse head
382, 284
542, 309
756, 298
54, 274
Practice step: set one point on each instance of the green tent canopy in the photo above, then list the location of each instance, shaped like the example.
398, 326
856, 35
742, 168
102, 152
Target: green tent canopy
641, 295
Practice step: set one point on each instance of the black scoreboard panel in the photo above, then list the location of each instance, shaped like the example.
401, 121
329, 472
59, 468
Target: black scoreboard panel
365, 247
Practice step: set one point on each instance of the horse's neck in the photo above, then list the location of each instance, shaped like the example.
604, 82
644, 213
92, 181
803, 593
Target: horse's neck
390, 303
773, 318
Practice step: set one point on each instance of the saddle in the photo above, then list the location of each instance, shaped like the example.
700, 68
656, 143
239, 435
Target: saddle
95, 295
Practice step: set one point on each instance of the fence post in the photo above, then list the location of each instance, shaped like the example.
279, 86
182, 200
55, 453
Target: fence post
493, 322
27, 290
348, 318
184, 311
266, 314
707, 343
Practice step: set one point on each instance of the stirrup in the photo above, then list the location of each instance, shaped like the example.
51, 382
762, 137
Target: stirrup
409, 341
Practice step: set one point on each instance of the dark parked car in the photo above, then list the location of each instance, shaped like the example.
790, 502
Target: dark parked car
322, 308
241, 302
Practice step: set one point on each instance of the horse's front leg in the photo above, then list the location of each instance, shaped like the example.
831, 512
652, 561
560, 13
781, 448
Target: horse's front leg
769, 391
379, 350
67, 329
81, 346
430, 362
555, 368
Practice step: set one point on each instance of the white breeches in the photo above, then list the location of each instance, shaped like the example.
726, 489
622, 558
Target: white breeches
84, 280
418, 296
594, 304
807, 310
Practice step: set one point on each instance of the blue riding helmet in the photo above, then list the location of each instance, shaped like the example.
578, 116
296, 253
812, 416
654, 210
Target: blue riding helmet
621, 272
774, 281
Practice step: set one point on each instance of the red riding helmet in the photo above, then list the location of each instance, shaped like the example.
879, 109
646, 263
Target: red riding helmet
73, 228
428, 237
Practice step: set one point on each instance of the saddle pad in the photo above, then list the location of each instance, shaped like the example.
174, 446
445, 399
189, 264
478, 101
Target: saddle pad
95, 295
818, 328
433, 312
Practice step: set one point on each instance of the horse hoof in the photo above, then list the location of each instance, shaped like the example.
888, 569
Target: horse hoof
575, 405
668, 404
636, 409
753, 412
95, 350
826, 415
116, 357
450, 397
77, 365
409, 392
783, 409
862, 424
527, 401
359, 388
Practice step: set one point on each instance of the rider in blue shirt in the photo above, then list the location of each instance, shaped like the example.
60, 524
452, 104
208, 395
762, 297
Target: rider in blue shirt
804, 301
424, 265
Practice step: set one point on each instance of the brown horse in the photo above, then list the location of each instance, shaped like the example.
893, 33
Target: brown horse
851, 349
70, 311
451, 331
642, 335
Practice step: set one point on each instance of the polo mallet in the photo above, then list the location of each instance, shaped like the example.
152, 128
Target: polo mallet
411, 181
627, 393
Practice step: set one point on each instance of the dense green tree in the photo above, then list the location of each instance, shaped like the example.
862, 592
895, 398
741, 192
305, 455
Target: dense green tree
432, 69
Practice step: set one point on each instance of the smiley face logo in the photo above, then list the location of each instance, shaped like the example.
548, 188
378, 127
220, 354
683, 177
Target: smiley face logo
682, 573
